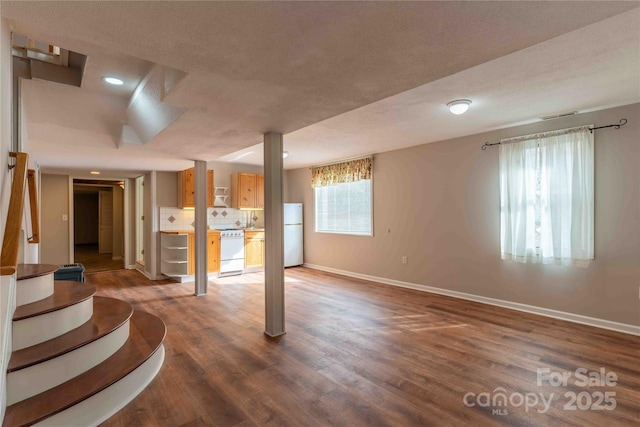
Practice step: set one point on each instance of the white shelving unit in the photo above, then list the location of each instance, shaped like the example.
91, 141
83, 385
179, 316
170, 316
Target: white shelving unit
174, 253
221, 197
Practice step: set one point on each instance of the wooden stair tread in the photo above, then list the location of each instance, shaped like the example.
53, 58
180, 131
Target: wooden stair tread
28, 271
108, 315
146, 336
65, 294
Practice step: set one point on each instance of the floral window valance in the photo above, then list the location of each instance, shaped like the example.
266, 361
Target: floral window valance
338, 173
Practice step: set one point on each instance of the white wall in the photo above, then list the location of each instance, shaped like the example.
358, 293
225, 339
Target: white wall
118, 223
438, 204
54, 245
7, 283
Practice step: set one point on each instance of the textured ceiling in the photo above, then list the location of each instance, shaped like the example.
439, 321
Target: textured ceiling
337, 78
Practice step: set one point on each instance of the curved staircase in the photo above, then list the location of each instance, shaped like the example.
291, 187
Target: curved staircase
77, 358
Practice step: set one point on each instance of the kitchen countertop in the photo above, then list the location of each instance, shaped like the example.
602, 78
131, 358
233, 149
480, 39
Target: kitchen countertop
208, 231
185, 231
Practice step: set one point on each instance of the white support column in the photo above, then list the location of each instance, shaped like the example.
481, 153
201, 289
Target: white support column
151, 226
274, 232
202, 279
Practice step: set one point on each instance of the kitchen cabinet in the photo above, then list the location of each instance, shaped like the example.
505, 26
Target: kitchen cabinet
254, 249
174, 254
213, 252
247, 191
260, 191
192, 254
186, 188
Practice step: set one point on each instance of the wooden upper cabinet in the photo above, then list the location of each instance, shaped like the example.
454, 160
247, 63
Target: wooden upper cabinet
247, 191
187, 189
260, 191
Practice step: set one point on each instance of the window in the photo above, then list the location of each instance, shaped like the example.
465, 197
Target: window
343, 202
546, 197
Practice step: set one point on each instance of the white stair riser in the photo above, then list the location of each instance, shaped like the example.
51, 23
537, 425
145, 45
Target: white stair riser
35, 379
34, 330
34, 289
101, 406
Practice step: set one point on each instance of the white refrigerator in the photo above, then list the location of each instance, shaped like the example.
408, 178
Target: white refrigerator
292, 234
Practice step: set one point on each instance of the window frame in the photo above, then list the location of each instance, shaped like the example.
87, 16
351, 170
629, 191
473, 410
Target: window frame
564, 250
345, 233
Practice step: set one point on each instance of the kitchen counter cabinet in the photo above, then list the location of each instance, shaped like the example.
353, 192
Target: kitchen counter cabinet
174, 249
254, 249
213, 252
186, 188
178, 252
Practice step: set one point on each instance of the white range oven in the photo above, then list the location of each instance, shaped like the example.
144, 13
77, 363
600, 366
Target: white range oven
231, 252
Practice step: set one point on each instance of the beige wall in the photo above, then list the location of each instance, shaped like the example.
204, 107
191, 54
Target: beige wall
167, 188
5, 119
54, 244
438, 204
7, 283
222, 171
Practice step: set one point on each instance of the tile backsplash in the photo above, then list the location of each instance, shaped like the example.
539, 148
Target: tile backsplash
172, 219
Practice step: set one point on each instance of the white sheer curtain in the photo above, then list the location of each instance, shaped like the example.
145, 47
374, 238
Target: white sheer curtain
546, 197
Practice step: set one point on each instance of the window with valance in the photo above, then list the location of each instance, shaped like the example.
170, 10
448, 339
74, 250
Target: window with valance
343, 197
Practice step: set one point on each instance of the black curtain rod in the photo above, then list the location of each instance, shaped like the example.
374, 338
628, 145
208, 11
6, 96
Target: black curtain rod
616, 126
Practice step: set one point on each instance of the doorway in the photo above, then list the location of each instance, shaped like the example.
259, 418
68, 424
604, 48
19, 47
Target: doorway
98, 214
139, 215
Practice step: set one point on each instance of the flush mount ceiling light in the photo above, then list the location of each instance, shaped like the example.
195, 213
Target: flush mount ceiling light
285, 154
459, 106
94, 173
113, 80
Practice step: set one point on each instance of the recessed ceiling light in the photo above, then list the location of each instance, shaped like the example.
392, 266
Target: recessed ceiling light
285, 154
94, 173
459, 106
113, 80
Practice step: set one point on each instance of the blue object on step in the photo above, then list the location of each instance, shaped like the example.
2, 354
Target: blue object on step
74, 272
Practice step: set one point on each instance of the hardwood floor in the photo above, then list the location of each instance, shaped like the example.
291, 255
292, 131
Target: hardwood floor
358, 353
89, 256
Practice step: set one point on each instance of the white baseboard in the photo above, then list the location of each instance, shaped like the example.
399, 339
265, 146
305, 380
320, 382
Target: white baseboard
147, 275
570, 317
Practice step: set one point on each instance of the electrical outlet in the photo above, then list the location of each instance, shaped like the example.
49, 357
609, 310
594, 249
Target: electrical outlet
404, 259
65, 217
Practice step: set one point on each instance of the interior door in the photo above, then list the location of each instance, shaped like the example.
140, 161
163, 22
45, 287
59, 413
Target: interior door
105, 222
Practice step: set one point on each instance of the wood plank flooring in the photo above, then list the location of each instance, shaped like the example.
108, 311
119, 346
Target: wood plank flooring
92, 260
358, 353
